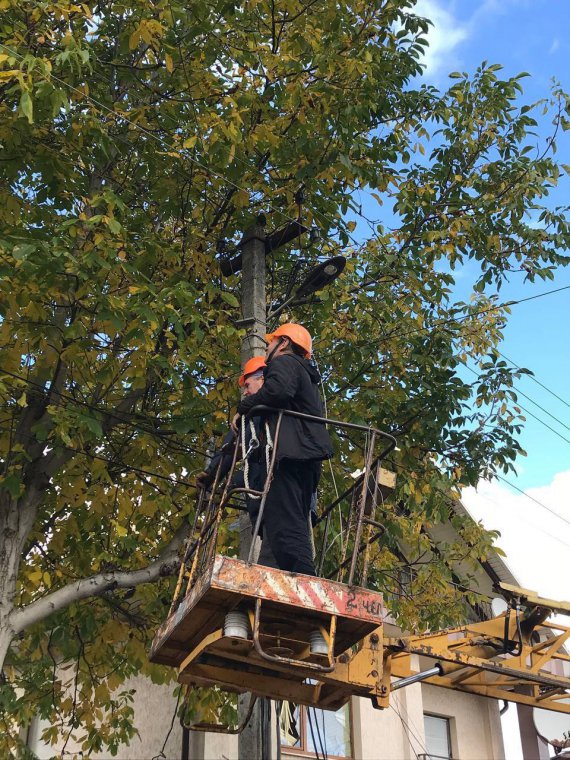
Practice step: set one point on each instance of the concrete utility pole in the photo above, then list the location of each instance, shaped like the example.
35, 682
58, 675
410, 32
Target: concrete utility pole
254, 246
254, 318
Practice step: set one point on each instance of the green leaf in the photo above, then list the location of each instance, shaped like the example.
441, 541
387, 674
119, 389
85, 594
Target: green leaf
26, 106
229, 298
12, 484
114, 225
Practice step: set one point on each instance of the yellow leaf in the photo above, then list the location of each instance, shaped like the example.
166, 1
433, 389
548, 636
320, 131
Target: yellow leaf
35, 576
22, 401
134, 39
169, 62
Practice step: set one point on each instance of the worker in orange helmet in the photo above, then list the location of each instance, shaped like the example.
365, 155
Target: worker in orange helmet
291, 382
250, 381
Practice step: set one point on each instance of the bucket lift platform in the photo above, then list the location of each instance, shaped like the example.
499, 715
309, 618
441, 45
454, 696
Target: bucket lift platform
277, 644
243, 627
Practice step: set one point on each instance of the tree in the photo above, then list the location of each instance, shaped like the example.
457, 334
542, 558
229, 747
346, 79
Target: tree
136, 136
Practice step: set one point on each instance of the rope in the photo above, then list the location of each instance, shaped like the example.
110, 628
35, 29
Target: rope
312, 538
268, 446
253, 444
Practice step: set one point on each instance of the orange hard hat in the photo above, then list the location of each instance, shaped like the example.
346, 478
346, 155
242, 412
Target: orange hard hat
298, 335
251, 366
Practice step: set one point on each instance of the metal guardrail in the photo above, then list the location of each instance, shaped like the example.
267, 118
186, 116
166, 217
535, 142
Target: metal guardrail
362, 495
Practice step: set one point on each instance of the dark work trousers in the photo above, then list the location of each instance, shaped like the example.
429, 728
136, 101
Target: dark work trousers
286, 514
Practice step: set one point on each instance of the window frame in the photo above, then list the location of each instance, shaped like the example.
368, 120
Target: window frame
447, 719
304, 732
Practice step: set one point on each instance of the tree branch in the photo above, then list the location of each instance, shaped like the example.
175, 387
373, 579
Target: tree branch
166, 564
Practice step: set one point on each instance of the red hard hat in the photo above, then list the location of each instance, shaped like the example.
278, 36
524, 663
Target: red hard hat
251, 366
298, 335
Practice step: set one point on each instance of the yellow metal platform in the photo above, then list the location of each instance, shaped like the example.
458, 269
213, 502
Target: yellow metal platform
229, 583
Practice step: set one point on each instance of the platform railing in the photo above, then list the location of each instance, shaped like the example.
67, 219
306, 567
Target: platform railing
362, 529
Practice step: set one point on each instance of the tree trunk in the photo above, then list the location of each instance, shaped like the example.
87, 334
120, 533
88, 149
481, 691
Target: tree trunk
5, 641
8, 571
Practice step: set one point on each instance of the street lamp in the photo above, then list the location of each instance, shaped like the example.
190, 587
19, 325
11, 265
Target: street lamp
317, 278
321, 276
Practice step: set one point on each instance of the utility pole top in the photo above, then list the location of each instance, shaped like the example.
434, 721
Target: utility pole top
253, 291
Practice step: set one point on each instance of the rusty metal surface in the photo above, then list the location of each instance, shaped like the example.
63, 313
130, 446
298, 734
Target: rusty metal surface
301, 591
474, 659
228, 582
237, 666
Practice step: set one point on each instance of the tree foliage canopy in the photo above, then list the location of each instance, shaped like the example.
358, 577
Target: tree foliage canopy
135, 136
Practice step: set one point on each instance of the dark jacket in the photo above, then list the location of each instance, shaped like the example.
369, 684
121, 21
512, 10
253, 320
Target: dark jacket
292, 383
226, 454
257, 468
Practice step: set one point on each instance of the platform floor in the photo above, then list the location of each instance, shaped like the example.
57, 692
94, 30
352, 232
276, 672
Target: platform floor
293, 606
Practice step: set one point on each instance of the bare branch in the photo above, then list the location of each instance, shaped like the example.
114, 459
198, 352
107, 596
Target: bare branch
167, 564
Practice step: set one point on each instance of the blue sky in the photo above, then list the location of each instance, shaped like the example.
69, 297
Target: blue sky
531, 36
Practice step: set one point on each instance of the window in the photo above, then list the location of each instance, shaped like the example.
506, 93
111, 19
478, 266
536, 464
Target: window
307, 730
438, 741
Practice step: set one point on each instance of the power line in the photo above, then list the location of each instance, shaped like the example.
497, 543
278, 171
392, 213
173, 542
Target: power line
542, 422
150, 134
126, 420
501, 477
239, 187
554, 417
534, 378
452, 320
536, 501
91, 455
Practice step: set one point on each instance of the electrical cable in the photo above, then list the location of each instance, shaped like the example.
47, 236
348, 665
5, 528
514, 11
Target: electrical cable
536, 501
554, 417
542, 422
235, 185
124, 419
508, 482
535, 379
407, 732
308, 713
455, 320
321, 745
324, 731
416, 731
151, 135
131, 468
161, 755
278, 706
325, 404
198, 163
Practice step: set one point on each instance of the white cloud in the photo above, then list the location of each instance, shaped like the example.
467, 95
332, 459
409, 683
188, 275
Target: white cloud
443, 37
554, 46
537, 544
536, 541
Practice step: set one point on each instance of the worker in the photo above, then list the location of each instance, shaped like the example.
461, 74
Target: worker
291, 382
250, 381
